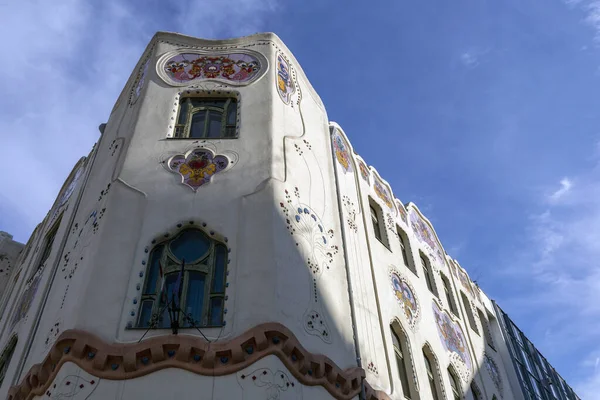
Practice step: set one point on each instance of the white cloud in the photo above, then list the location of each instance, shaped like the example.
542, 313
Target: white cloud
66, 62
565, 187
592, 12
469, 59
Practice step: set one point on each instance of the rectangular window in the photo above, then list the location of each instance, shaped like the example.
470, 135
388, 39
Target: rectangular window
207, 118
405, 249
469, 310
487, 330
449, 297
48, 243
427, 274
376, 219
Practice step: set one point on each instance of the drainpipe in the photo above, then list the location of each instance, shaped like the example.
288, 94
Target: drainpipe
57, 259
363, 395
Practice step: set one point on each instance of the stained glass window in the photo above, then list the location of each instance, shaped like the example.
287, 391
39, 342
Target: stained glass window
198, 289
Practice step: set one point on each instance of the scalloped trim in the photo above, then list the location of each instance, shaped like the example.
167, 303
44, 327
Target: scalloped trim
121, 361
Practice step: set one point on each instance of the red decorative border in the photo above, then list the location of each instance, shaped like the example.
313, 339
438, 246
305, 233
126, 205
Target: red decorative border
122, 361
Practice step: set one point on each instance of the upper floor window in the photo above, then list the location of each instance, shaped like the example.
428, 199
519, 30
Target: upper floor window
469, 311
206, 118
377, 220
433, 386
449, 297
456, 393
428, 275
48, 243
486, 329
6, 356
402, 361
405, 249
475, 391
202, 283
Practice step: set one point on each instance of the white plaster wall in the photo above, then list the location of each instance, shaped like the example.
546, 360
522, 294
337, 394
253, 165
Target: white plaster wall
10, 251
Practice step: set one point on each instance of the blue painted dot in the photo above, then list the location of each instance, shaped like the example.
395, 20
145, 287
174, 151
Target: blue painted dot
197, 357
132, 313
225, 311
137, 287
275, 339
91, 354
179, 225
114, 366
299, 210
227, 284
226, 240
294, 357
204, 224
224, 360
313, 217
146, 250
249, 349
324, 240
171, 353
224, 323
145, 360
141, 273
297, 218
320, 228
306, 211
144, 262
67, 349
134, 301
310, 372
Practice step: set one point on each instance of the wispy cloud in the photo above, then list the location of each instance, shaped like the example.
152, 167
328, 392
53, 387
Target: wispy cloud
469, 59
561, 260
64, 73
592, 12
565, 187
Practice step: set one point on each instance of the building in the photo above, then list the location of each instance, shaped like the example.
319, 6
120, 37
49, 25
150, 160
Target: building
222, 205
536, 378
9, 254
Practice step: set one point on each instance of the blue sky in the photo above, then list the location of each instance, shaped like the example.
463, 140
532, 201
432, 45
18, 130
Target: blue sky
484, 113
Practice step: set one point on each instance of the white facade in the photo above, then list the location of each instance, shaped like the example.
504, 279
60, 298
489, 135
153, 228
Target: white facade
310, 292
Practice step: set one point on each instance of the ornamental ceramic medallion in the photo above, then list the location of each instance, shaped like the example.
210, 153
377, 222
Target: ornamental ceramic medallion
426, 236
71, 187
340, 147
405, 296
383, 193
452, 338
364, 171
285, 83
236, 68
197, 166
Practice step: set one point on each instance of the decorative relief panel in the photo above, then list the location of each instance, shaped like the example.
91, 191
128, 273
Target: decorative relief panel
383, 193
426, 236
26, 298
197, 166
285, 83
315, 242
452, 338
465, 281
402, 212
494, 372
364, 171
276, 385
405, 295
342, 152
72, 383
180, 68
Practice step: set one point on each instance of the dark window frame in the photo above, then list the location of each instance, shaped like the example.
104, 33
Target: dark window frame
190, 106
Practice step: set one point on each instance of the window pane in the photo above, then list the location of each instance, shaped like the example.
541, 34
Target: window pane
403, 376
145, 314
195, 297
216, 311
183, 112
153, 270
214, 124
190, 245
197, 128
220, 265
170, 280
231, 113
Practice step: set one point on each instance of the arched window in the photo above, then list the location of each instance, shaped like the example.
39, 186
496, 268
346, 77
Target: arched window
202, 283
431, 377
5, 357
402, 360
427, 273
456, 392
